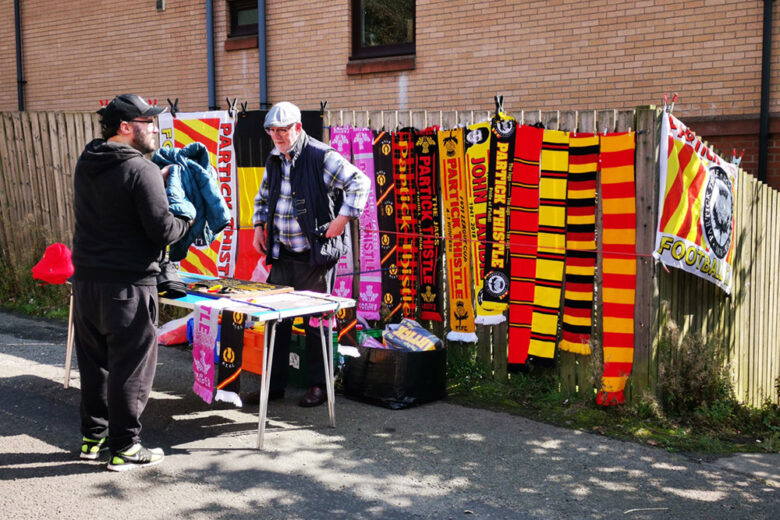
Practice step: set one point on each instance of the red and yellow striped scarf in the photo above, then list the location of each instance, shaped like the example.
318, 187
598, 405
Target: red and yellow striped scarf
551, 250
619, 264
523, 227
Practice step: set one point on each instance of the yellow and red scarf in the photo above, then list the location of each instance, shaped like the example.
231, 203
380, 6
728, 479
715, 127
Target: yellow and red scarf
523, 228
551, 250
454, 187
619, 264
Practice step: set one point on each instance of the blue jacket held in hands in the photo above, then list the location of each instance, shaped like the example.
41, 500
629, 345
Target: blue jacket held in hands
193, 192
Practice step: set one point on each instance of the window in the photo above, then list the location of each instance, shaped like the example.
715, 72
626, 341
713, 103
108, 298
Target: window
382, 28
243, 18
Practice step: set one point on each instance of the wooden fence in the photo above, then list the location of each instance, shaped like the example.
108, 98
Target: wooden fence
38, 151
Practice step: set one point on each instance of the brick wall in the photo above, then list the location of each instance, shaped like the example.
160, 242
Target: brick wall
76, 53
546, 55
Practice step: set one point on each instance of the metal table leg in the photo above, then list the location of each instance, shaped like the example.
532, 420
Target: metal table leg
69, 344
265, 379
327, 354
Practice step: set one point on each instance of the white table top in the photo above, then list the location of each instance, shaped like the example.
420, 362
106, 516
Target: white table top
266, 308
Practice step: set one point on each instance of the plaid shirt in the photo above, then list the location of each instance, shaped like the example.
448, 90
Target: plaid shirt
338, 173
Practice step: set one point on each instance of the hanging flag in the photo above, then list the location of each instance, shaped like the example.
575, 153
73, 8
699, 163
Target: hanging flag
496, 269
454, 188
388, 238
580, 243
551, 249
696, 206
523, 229
231, 349
406, 218
341, 141
370, 254
618, 279
427, 165
215, 131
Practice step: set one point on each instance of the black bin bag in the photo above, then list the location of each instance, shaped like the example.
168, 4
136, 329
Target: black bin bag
396, 379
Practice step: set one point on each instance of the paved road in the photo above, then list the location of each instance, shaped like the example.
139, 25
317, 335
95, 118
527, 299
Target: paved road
437, 461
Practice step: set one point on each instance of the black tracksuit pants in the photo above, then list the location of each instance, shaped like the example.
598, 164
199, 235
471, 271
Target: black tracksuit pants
293, 269
116, 345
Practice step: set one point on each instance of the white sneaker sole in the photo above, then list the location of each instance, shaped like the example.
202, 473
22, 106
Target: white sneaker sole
129, 466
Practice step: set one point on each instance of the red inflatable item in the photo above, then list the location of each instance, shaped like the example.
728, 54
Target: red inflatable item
56, 265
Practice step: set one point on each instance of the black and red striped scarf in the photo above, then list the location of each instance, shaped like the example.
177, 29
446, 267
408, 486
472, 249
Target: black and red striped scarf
580, 243
427, 161
406, 218
385, 203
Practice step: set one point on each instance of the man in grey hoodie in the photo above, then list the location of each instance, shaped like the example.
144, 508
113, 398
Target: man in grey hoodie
122, 227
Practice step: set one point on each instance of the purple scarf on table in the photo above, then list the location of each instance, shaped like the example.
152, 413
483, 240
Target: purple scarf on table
204, 340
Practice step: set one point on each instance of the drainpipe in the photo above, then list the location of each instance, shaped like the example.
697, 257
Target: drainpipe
763, 132
19, 80
261, 54
210, 53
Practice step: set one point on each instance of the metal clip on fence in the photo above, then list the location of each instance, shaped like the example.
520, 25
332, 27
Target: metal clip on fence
174, 106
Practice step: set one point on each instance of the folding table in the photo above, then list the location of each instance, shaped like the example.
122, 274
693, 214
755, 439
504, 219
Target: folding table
268, 309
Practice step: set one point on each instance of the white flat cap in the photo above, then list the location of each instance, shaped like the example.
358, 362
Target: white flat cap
282, 114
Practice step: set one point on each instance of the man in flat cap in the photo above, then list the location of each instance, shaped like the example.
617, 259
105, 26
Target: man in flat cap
308, 195
122, 227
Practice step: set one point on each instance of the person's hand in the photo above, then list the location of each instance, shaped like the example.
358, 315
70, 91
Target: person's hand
260, 238
336, 227
166, 171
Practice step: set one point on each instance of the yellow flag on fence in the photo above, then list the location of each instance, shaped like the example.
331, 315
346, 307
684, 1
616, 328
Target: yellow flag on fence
696, 206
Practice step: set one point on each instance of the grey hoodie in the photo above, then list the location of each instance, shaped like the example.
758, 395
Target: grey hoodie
122, 218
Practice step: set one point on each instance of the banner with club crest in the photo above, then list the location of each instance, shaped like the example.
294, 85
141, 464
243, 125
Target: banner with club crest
696, 206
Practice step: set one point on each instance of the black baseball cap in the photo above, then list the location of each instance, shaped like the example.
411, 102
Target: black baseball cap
127, 107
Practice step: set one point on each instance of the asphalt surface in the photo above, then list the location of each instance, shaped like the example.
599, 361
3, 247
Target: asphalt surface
437, 461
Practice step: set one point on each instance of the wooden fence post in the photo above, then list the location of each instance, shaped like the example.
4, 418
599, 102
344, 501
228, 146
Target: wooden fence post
648, 126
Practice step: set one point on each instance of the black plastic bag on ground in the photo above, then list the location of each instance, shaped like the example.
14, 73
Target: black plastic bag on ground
396, 379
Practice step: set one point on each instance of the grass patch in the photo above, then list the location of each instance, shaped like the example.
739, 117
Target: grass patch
696, 414
18, 291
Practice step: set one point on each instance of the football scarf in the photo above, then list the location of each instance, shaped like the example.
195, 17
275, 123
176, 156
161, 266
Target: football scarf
341, 141
580, 243
496, 280
454, 187
204, 338
619, 264
427, 162
231, 348
478, 138
551, 248
385, 204
370, 259
406, 218
523, 227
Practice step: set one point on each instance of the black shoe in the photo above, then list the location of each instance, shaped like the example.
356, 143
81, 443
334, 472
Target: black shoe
254, 397
135, 457
314, 396
169, 285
